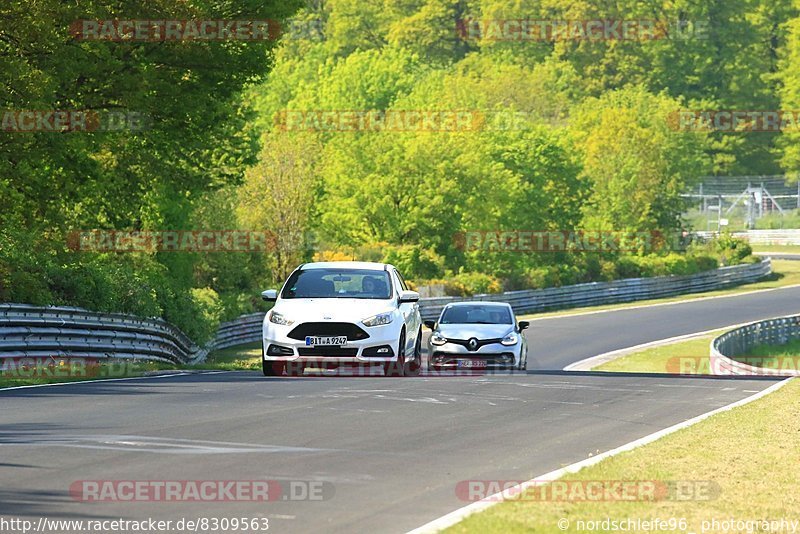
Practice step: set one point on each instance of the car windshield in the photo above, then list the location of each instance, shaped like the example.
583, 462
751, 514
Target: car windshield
476, 315
338, 283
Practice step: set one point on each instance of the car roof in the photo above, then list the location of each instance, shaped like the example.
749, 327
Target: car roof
480, 303
366, 265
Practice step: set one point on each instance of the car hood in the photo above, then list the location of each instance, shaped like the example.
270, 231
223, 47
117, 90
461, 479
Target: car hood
338, 310
480, 331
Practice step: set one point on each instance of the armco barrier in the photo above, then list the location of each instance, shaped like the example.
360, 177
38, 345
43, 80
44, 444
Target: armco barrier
30, 331
60, 331
740, 341
596, 293
64, 332
244, 329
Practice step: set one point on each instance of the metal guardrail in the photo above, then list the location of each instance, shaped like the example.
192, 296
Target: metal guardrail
761, 237
30, 331
242, 330
628, 290
739, 342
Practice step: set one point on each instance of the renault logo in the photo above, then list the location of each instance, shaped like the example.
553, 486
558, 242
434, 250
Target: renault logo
472, 344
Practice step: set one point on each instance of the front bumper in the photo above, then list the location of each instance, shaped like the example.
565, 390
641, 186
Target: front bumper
379, 347
494, 356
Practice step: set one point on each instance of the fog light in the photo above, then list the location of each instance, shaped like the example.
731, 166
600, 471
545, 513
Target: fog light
382, 351
277, 350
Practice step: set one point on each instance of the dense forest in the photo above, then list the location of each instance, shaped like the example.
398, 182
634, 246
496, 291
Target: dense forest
566, 133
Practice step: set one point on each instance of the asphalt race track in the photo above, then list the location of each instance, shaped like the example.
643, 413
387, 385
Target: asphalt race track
390, 450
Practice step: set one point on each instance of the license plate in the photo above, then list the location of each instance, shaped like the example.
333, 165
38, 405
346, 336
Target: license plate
337, 341
472, 364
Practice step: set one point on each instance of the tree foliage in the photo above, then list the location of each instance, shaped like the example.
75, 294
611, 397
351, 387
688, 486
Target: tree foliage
568, 134
152, 178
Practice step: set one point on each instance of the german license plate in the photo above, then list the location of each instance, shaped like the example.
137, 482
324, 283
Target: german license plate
326, 341
472, 364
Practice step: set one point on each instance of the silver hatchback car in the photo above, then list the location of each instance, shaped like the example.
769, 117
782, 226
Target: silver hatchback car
477, 336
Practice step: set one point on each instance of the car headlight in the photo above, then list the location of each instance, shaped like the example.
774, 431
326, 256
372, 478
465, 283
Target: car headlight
438, 339
277, 318
378, 320
510, 339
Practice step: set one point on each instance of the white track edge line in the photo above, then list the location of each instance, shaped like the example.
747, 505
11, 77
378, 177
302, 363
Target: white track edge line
457, 516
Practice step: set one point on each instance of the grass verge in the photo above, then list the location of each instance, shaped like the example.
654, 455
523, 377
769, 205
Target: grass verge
691, 357
769, 351
17, 372
688, 357
774, 357
746, 453
239, 358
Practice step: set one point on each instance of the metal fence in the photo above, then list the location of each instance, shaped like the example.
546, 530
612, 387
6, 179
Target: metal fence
779, 185
740, 342
66, 332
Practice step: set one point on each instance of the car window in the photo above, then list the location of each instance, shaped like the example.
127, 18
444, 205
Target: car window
397, 283
338, 283
402, 280
477, 315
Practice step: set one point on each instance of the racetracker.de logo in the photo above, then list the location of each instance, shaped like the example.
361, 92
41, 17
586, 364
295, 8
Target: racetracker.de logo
410, 120
172, 241
200, 490
588, 490
575, 241
175, 30
63, 121
734, 121
44, 367
757, 365
549, 30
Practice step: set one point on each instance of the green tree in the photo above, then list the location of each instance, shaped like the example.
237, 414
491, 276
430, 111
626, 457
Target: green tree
637, 163
193, 142
278, 196
789, 76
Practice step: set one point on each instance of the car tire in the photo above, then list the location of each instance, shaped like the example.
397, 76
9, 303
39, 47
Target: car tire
414, 367
397, 368
272, 368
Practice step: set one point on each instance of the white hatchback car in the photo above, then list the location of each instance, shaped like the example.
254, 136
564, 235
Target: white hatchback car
343, 313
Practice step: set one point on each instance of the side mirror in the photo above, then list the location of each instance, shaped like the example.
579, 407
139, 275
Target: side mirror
270, 295
409, 296
523, 325
430, 324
